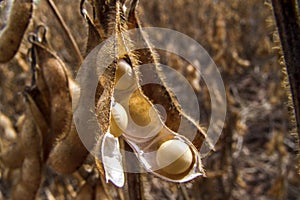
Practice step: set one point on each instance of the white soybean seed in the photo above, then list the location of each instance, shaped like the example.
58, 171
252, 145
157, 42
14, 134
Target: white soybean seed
119, 120
75, 92
174, 157
124, 75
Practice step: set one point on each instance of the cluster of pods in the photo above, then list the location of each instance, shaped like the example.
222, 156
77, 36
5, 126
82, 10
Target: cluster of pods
49, 132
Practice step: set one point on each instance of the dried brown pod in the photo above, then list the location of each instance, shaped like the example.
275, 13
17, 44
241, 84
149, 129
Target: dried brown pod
31, 169
50, 91
32, 94
94, 36
68, 154
108, 143
140, 108
50, 101
12, 34
160, 93
59, 96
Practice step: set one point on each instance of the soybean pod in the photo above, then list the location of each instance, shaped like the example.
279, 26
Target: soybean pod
11, 36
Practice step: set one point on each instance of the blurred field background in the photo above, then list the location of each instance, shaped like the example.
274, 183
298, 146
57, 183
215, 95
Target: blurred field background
256, 157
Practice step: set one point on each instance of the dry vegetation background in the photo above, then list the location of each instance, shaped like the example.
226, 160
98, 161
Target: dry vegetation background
256, 157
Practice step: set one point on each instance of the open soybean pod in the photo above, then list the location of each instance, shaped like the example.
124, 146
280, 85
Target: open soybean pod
151, 139
160, 92
163, 152
160, 150
19, 15
107, 148
146, 133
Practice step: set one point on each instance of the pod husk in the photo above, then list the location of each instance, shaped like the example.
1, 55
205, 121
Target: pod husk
51, 94
12, 35
163, 96
31, 170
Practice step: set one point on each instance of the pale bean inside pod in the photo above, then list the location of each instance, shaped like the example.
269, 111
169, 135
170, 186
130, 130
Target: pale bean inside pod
124, 75
141, 111
119, 120
75, 92
174, 157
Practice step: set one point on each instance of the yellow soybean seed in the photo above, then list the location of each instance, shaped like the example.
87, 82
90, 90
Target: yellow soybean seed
174, 157
119, 120
124, 75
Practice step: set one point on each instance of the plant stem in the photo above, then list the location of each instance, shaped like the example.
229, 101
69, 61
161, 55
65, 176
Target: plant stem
287, 19
133, 179
66, 29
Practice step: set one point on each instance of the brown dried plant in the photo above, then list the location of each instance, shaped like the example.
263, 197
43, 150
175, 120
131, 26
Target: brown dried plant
48, 134
42, 156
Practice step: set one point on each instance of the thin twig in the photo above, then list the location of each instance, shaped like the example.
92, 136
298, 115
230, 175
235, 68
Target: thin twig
66, 29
